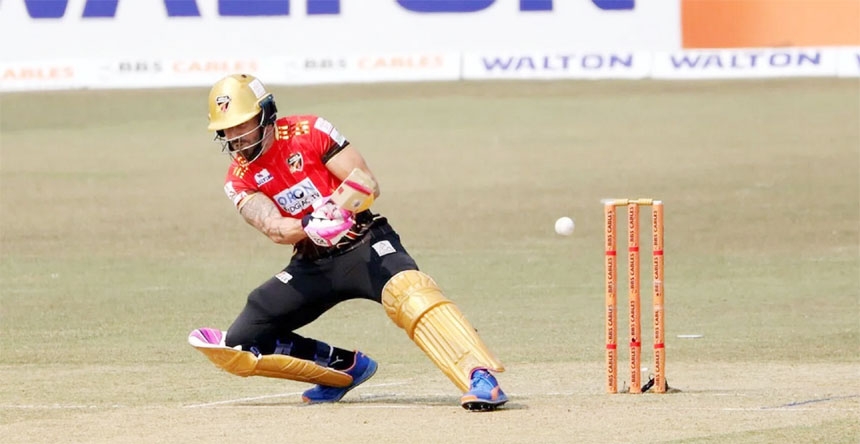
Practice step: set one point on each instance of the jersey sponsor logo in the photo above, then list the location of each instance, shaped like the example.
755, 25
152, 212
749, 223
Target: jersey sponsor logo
263, 177
233, 195
298, 197
323, 125
229, 190
337, 137
296, 162
283, 277
328, 128
383, 247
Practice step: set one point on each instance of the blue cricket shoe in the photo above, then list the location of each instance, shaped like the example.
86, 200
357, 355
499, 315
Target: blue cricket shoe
485, 393
361, 371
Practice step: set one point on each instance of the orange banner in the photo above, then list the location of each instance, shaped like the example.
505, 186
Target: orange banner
769, 23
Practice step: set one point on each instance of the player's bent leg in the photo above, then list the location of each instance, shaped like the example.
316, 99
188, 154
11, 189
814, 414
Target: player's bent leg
416, 304
361, 370
210, 342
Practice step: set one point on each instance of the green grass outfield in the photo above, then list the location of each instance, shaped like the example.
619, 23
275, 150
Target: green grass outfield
116, 240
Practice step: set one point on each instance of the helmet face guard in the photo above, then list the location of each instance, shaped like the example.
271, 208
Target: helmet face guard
249, 152
234, 100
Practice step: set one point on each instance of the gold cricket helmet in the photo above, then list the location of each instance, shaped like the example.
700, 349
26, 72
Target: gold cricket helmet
236, 99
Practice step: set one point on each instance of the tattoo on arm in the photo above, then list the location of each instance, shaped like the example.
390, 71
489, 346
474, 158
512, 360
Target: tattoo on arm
261, 213
257, 209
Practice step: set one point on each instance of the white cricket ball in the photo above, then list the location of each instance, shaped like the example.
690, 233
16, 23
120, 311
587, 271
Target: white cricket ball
564, 226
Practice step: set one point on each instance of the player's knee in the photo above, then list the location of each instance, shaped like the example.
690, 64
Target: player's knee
408, 296
245, 331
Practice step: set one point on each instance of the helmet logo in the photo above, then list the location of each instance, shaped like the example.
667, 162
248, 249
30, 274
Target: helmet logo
223, 103
295, 162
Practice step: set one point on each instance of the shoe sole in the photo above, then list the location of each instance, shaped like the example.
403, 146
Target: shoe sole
354, 385
482, 405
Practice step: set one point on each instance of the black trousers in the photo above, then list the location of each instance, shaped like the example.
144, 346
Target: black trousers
306, 289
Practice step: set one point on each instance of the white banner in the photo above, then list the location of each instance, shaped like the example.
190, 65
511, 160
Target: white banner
68, 44
183, 29
745, 63
363, 68
557, 65
849, 62
431, 66
201, 71
44, 75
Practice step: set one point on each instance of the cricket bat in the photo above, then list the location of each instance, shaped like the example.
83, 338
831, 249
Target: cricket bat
355, 193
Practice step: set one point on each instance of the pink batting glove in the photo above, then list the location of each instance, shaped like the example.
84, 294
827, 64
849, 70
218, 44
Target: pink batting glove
326, 226
324, 207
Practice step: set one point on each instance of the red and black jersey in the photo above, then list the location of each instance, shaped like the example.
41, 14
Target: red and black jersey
293, 174
292, 171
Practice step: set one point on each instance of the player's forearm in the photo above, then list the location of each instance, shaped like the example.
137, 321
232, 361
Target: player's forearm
283, 230
346, 161
261, 213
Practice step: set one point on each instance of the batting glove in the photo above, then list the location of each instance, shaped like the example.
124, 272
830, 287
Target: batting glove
327, 225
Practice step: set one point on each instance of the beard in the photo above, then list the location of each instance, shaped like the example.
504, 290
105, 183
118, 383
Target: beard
251, 152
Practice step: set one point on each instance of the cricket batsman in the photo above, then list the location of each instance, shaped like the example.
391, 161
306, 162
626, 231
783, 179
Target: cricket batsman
297, 180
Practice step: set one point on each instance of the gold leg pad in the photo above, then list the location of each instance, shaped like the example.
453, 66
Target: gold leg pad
416, 304
243, 363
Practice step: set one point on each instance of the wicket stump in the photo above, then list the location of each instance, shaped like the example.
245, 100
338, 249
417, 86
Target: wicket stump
611, 273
